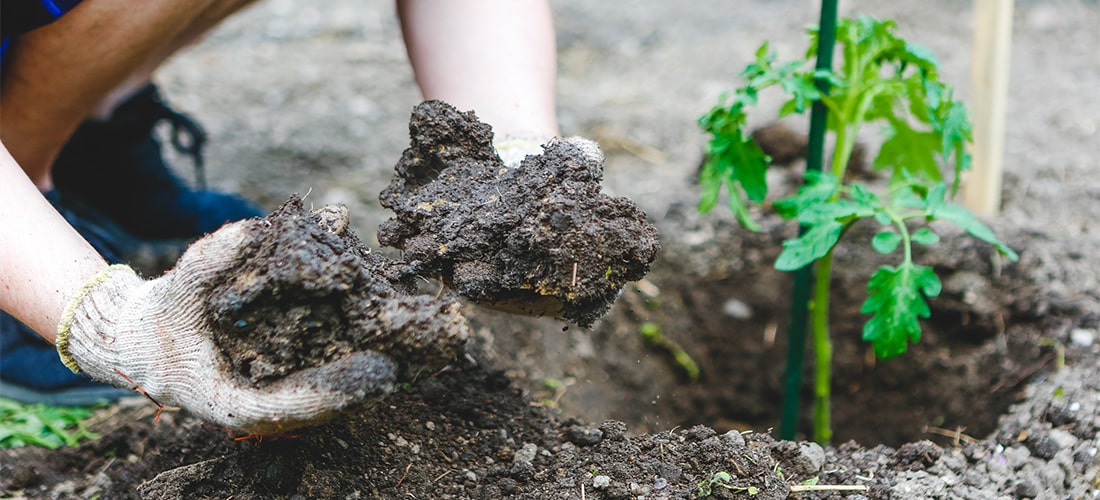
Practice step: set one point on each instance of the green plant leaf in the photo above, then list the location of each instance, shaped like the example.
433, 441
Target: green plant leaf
885, 242
810, 246
921, 56
818, 188
925, 236
909, 153
896, 302
959, 216
41, 425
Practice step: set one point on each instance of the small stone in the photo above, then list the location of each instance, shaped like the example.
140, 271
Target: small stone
584, 436
526, 454
471, 475
601, 481
734, 438
736, 309
813, 454
1042, 446
1026, 489
429, 425
660, 483
1081, 337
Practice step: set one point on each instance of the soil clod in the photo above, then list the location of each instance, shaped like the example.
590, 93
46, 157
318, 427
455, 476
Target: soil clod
540, 239
306, 292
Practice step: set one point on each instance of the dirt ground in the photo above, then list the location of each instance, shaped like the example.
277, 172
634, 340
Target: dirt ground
299, 100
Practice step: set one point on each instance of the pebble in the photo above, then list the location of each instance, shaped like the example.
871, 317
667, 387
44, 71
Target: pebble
737, 309
813, 454
601, 481
1081, 337
526, 454
1064, 438
584, 436
734, 438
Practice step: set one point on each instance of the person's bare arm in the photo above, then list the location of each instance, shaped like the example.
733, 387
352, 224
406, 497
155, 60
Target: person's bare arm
43, 261
496, 57
86, 62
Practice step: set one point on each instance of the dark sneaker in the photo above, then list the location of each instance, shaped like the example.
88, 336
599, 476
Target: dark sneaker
117, 168
30, 370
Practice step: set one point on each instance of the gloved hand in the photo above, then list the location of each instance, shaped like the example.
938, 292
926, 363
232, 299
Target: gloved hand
130, 332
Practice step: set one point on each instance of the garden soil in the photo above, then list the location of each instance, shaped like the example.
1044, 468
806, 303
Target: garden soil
1000, 399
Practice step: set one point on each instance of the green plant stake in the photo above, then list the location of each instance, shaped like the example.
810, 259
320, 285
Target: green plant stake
800, 294
882, 79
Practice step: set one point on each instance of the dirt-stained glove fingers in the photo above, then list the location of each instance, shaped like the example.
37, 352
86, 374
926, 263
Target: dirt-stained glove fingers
219, 249
307, 397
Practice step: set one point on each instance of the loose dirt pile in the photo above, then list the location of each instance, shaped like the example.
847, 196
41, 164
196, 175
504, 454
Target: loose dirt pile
540, 239
470, 433
306, 291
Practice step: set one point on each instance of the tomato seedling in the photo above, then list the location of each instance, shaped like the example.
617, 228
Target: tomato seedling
885, 80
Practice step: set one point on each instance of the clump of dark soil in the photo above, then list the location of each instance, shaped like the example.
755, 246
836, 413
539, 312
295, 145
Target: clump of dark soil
306, 291
540, 239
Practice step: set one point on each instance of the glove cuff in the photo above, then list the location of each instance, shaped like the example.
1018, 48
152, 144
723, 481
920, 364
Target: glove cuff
89, 309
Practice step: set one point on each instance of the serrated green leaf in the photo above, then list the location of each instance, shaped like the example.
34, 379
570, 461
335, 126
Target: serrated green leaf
810, 246
896, 302
709, 197
831, 78
921, 56
863, 197
739, 208
750, 169
955, 129
925, 236
961, 217
761, 52
935, 198
885, 242
909, 153
836, 210
802, 89
818, 188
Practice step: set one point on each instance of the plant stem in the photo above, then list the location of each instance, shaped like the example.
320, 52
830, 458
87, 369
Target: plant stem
823, 350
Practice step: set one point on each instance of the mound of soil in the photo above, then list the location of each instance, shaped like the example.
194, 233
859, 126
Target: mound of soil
540, 239
470, 433
306, 291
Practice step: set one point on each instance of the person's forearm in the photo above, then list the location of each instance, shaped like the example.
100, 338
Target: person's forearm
496, 57
43, 261
58, 74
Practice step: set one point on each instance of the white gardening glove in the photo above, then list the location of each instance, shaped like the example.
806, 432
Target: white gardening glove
133, 333
513, 150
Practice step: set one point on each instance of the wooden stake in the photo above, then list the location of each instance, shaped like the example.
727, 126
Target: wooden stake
989, 97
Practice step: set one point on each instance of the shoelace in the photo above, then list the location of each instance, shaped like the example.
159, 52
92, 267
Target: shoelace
188, 138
